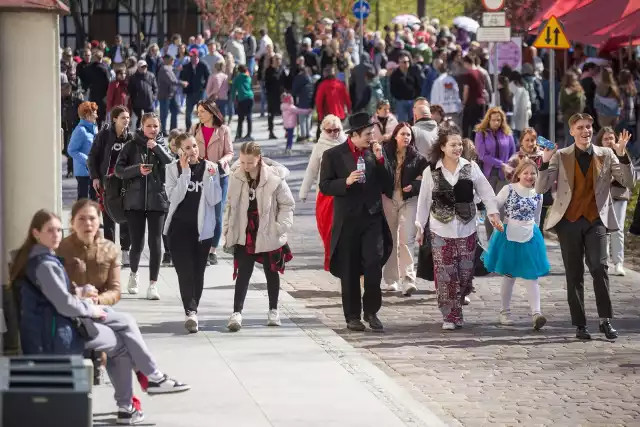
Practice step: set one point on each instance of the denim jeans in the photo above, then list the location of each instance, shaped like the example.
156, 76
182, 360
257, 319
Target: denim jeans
219, 211
404, 110
305, 125
169, 106
251, 65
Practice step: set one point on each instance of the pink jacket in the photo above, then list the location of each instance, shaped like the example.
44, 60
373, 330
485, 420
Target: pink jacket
218, 86
290, 114
220, 148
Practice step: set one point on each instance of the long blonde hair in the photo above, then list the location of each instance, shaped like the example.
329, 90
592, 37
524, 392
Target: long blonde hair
483, 126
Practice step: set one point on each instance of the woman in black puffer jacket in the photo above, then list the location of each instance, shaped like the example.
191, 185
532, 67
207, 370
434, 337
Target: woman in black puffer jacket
400, 204
141, 165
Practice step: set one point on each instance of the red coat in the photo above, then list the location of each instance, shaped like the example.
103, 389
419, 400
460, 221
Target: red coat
331, 98
117, 94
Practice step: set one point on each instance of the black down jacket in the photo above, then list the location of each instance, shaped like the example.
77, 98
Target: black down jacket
144, 193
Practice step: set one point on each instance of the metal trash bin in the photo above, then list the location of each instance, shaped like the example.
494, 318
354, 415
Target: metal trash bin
45, 391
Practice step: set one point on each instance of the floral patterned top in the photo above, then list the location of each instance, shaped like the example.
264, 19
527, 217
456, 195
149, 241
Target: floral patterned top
523, 207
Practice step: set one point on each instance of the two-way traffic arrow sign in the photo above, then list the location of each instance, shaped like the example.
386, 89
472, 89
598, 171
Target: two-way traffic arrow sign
552, 36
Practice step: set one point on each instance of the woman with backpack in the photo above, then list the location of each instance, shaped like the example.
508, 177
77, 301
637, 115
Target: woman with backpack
106, 147
193, 187
57, 319
141, 165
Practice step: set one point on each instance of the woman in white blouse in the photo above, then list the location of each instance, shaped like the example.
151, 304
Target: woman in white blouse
446, 202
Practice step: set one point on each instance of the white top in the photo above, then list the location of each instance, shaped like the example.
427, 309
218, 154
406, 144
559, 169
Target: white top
445, 92
454, 229
518, 230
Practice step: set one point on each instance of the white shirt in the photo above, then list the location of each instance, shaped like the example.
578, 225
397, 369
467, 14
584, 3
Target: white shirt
445, 92
117, 57
455, 229
262, 48
519, 231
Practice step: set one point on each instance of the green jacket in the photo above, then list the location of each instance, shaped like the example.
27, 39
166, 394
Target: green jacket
241, 88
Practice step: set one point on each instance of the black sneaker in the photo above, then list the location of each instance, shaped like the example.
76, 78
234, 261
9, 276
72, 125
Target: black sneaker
374, 323
212, 259
129, 417
272, 136
166, 385
355, 325
166, 260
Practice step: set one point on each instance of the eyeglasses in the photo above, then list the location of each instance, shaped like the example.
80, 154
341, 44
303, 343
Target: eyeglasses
332, 130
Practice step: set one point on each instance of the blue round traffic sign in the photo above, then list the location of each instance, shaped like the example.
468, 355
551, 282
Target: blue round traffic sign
361, 9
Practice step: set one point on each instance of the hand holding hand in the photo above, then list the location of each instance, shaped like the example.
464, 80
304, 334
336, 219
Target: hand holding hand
151, 144
354, 177
496, 222
620, 147
408, 188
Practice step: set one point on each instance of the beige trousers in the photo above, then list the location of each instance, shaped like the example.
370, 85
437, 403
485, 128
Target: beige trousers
401, 216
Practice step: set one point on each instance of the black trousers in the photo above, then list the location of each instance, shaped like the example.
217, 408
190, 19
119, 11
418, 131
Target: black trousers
245, 110
245, 269
360, 250
110, 232
471, 116
67, 139
85, 189
582, 241
190, 261
137, 220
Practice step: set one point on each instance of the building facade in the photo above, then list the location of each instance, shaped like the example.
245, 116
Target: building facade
106, 21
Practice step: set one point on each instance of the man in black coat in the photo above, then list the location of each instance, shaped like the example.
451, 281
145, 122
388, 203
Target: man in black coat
361, 241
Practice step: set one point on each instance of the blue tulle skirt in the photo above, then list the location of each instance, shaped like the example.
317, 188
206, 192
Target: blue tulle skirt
523, 260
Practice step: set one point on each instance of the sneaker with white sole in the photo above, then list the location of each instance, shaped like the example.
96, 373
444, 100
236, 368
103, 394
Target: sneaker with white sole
448, 326
166, 385
393, 287
538, 321
273, 318
125, 259
505, 318
133, 287
409, 287
191, 322
235, 322
129, 417
618, 269
152, 292
466, 301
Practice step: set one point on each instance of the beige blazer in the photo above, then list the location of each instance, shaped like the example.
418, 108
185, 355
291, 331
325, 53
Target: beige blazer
562, 169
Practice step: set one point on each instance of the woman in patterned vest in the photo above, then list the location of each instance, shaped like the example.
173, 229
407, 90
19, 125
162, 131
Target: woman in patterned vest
446, 202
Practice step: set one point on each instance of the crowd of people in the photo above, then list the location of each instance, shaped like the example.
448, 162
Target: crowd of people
423, 160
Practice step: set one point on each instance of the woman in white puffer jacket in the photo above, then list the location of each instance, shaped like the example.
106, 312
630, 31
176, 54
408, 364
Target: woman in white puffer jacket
332, 135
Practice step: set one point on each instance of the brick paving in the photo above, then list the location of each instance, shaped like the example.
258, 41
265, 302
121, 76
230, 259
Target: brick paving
486, 374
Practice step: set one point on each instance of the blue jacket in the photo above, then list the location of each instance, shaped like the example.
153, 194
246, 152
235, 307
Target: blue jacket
43, 330
80, 145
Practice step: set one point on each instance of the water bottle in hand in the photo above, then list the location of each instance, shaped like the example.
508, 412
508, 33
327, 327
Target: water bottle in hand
361, 167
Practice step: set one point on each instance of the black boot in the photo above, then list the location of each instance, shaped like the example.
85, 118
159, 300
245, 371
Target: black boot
583, 333
607, 330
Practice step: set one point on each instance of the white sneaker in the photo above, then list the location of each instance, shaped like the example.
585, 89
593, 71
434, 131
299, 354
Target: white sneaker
125, 259
191, 323
618, 269
393, 287
448, 326
133, 286
505, 318
409, 287
466, 301
235, 322
152, 292
273, 318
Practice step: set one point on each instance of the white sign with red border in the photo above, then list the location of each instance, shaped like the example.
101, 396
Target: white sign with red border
493, 5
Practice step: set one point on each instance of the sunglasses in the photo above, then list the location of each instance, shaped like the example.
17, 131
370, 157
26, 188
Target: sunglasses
332, 130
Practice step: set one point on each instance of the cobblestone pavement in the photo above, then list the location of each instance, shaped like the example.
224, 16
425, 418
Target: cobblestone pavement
485, 374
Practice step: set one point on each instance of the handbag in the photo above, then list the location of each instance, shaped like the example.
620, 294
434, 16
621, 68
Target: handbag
86, 328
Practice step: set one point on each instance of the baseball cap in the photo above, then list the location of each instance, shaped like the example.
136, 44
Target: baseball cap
142, 63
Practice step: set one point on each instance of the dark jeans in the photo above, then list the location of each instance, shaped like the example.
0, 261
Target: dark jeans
190, 260
136, 221
110, 232
471, 116
582, 241
289, 138
85, 189
219, 211
245, 108
192, 101
360, 250
169, 106
139, 112
245, 269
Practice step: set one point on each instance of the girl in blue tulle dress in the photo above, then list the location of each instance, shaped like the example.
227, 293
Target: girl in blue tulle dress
519, 251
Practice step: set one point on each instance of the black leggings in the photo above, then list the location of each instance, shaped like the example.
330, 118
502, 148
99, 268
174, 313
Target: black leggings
245, 269
136, 222
190, 260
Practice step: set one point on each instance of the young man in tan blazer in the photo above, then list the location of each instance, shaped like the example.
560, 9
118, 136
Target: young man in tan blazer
583, 213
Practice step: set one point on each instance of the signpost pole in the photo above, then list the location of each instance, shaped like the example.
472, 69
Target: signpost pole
361, 28
552, 96
496, 72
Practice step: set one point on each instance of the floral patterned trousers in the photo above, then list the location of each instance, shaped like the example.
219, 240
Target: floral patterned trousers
453, 264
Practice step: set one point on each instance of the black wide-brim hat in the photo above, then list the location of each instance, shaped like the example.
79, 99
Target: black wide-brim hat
358, 121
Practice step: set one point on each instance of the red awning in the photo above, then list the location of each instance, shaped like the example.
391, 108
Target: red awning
557, 8
626, 28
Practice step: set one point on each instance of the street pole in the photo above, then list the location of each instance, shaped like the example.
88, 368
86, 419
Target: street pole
361, 29
552, 96
496, 93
